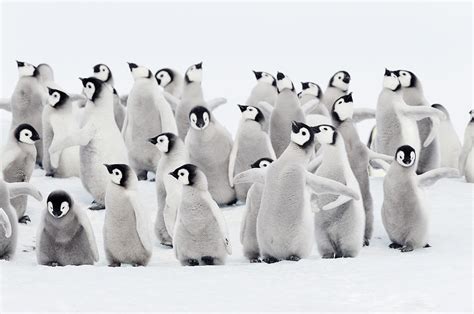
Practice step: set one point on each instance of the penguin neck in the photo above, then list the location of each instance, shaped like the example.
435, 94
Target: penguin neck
192, 92
297, 154
335, 153
287, 98
64, 228
347, 127
414, 96
179, 149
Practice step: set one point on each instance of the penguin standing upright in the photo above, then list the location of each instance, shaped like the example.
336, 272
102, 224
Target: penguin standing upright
171, 81
449, 143
338, 86
466, 159
264, 91
311, 91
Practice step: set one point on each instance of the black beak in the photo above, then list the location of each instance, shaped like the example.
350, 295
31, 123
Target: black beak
280, 76
83, 80
258, 75
295, 126
132, 66
242, 108
387, 72
304, 85
347, 79
20, 63
153, 140
109, 168
199, 65
174, 174
35, 137
96, 68
349, 97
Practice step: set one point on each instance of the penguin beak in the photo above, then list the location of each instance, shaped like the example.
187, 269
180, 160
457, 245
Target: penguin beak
280, 76
153, 140
20, 63
242, 108
109, 169
132, 66
295, 126
199, 65
257, 74
35, 137
83, 80
346, 79
174, 174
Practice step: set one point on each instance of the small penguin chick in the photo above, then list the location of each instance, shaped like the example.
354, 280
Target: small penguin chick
340, 80
164, 77
265, 77
405, 156
251, 113
187, 174
406, 78
325, 134
343, 108
164, 142
59, 203
120, 174
92, 87
262, 163
301, 134
139, 71
310, 88
56, 97
199, 118
26, 69
103, 73
194, 73
284, 82
391, 81
26, 134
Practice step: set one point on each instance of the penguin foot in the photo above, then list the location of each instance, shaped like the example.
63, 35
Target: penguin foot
192, 262
366, 242
207, 260
96, 206
136, 265
153, 179
270, 260
255, 260
293, 258
427, 246
231, 202
49, 174
115, 264
53, 264
394, 245
142, 176
328, 255
24, 220
406, 248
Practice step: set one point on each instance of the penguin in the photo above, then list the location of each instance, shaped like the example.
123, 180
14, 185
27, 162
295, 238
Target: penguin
358, 154
18, 163
449, 143
103, 73
209, 145
284, 222
312, 91
251, 143
8, 216
339, 232
171, 81
265, 90
466, 159
248, 227
27, 102
168, 190
127, 224
59, 121
191, 97
99, 139
338, 86
287, 109
148, 114
200, 236
65, 235
396, 122
404, 213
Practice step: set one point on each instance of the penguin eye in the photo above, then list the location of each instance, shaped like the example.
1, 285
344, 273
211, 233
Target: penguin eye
339, 77
160, 140
303, 133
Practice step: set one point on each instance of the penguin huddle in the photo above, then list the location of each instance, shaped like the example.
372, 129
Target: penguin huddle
296, 162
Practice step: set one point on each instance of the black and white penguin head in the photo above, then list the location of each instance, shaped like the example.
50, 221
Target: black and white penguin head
340, 80
265, 77
186, 174
59, 203
262, 163
102, 72
310, 88
139, 71
405, 156
284, 82
199, 118
164, 77
164, 142
325, 134
93, 87
26, 69
251, 113
120, 174
406, 78
391, 81
343, 108
301, 134
26, 134
471, 112
56, 97
194, 73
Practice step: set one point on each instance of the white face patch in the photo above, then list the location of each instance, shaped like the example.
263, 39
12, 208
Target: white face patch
404, 78
264, 164
284, 83
26, 70
162, 143
250, 113
194, 74
339, 83
312, 90
25, 136
164, 78
301, 137
391, 82
471, 113
193, 121
53, 99
401, 159
183, 176
344, 110
64, 209
325, 135
89, 90
116, 176
266, 78
140, 72
103, 73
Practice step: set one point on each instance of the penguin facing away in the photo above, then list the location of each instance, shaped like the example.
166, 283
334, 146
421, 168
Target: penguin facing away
449, 143
338, 86
466, 159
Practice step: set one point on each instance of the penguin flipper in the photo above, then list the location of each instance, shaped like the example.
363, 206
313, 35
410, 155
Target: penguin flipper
5, 104
361, 114
379, 163
142, 225
374, 155
86, 224
80, 137
421, 112
310, 106
173, 101
251, 176
24, 188
219, 216
431, 177
5, 223
315, 163
232, 159
216, 102
321, 185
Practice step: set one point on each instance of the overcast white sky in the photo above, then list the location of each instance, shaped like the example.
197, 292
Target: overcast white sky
307, 41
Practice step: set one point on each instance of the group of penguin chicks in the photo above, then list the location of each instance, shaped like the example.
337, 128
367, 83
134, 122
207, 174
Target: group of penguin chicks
297, 162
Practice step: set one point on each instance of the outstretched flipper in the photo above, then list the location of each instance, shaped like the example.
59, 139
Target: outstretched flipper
5, 223
379, 163
123, 100
24, 188
374, 155
422, 112
217, 212
142, 222
5, 104
232, 158
86, 224
321, 185
173, 101
361, 114
430, 177
80, 137
315, 163
309, 106
214, 103
254, 175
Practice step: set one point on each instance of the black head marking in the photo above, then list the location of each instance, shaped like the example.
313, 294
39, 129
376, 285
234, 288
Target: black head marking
63, 97
171, 140
297, 126
199, 112
167, 70
322, 127
258, 75
190, 168
242, 107
280, 76
387, 72
304, 85
124, 170
258, 163
132, 65
300, 94
98, 85
186, 77
199, 65
57, 198
409, 155
346, 78
20, 63
24, 126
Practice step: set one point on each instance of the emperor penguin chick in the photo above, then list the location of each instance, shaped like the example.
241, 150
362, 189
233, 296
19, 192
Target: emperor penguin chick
171, 81
201, 236
466, 159
449, 144
338, 86
340, 231
168, 190
251, 143
264, 91
65, 236
404, 213
18, 163
311, 91
127, 224
209, 145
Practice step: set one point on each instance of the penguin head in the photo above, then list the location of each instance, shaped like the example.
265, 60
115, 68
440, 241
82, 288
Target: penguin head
45, 72
102, 72
194, 73
340, 80
164, 77
262, 163
325, 134
265, 77
26, 134
164, 142
284, 82
26, 69
139, 71
120, 174
441, 108
471, 112
56, 97
199, 118
406, 78
301, 134
92, 87
251, 113
343, 108
310, 88
390, 80
59, 203
405, 156
186, 174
